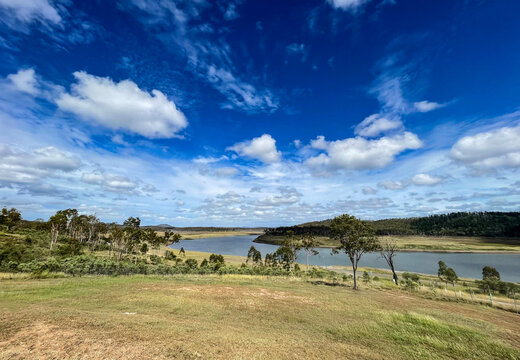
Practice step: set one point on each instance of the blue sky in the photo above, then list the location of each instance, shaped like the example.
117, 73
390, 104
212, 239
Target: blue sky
258, 113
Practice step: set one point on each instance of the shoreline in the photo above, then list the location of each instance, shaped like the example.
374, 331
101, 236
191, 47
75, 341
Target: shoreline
447, 251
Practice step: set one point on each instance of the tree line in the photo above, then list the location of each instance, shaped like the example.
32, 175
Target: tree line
485, 224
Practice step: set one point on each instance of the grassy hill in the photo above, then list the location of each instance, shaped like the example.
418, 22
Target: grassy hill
241, 317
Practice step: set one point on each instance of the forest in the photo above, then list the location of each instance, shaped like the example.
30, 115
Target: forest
484, 224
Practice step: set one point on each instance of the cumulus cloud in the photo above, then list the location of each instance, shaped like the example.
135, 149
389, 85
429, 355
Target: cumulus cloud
359, 153
262, 148
348, 5
425, 106
28, 11
488, 150
376, 124
25, 81
123, 105
426, 179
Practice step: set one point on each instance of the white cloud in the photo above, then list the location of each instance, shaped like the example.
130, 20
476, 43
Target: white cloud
123, 105
18, 166
28, 11
367, 190
231, 12
262, 148
376, 124
359, 153
492, 149
25, 81
114, 183
348, 5
425, 106
240, 94
209, 59
392, 185
426, 179
226, 171
209, 160
118, 139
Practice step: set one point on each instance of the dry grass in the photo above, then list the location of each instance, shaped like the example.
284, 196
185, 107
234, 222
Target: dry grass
240, 317
432, 243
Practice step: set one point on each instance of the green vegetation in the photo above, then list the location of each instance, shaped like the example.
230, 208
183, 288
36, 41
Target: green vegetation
117, 291
235, 316
484, 224
356, 238
426, 243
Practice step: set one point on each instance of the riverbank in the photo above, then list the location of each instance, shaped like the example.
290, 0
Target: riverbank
194, 235
230, 316
448, 244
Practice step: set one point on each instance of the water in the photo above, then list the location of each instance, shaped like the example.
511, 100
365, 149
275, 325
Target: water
468, 265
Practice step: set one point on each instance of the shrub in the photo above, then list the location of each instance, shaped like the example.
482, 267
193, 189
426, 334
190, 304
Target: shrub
191, 263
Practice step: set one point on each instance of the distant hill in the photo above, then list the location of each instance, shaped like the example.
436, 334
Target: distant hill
487, 224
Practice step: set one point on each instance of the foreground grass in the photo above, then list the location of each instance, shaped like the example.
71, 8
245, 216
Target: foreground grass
429, 243
237, 317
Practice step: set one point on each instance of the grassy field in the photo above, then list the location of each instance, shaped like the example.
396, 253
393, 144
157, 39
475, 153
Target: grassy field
240, 317
430, 243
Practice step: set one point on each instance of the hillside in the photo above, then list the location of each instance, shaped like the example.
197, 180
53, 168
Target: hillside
482, 224
232, 317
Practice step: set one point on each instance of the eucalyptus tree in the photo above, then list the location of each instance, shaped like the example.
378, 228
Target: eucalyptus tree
58, 223
254, 255
356, 238
10, 218
309, 244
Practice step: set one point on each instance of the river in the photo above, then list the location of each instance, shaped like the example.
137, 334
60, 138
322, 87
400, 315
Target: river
467, 265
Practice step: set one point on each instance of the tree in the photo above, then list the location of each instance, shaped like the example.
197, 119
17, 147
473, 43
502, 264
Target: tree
490, 272
388, 252
441, 273
117, 235
451, 276
58, 223
182, 252
171, 237
254, 255
10, 218
356, 238
309, 243
132, 234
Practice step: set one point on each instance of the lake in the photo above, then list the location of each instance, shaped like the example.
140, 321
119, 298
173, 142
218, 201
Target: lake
468, 265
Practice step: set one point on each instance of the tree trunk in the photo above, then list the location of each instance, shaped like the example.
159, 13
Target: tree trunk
393, 273
355, 280
307, 261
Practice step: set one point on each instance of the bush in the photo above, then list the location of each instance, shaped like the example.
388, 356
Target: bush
191, 263
154, 259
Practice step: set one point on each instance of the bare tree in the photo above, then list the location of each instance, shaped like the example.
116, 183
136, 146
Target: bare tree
388, 252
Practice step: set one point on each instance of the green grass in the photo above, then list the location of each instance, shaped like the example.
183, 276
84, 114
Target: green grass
429, 243
241, 317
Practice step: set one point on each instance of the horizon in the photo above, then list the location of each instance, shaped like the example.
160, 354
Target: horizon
233, 113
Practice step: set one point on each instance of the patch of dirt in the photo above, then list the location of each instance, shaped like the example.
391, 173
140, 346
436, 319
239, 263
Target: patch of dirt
46, 341
243, 293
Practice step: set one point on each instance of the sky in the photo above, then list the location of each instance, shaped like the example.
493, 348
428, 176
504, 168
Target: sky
259, 113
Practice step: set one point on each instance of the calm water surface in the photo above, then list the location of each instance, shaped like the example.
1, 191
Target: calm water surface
465, 264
